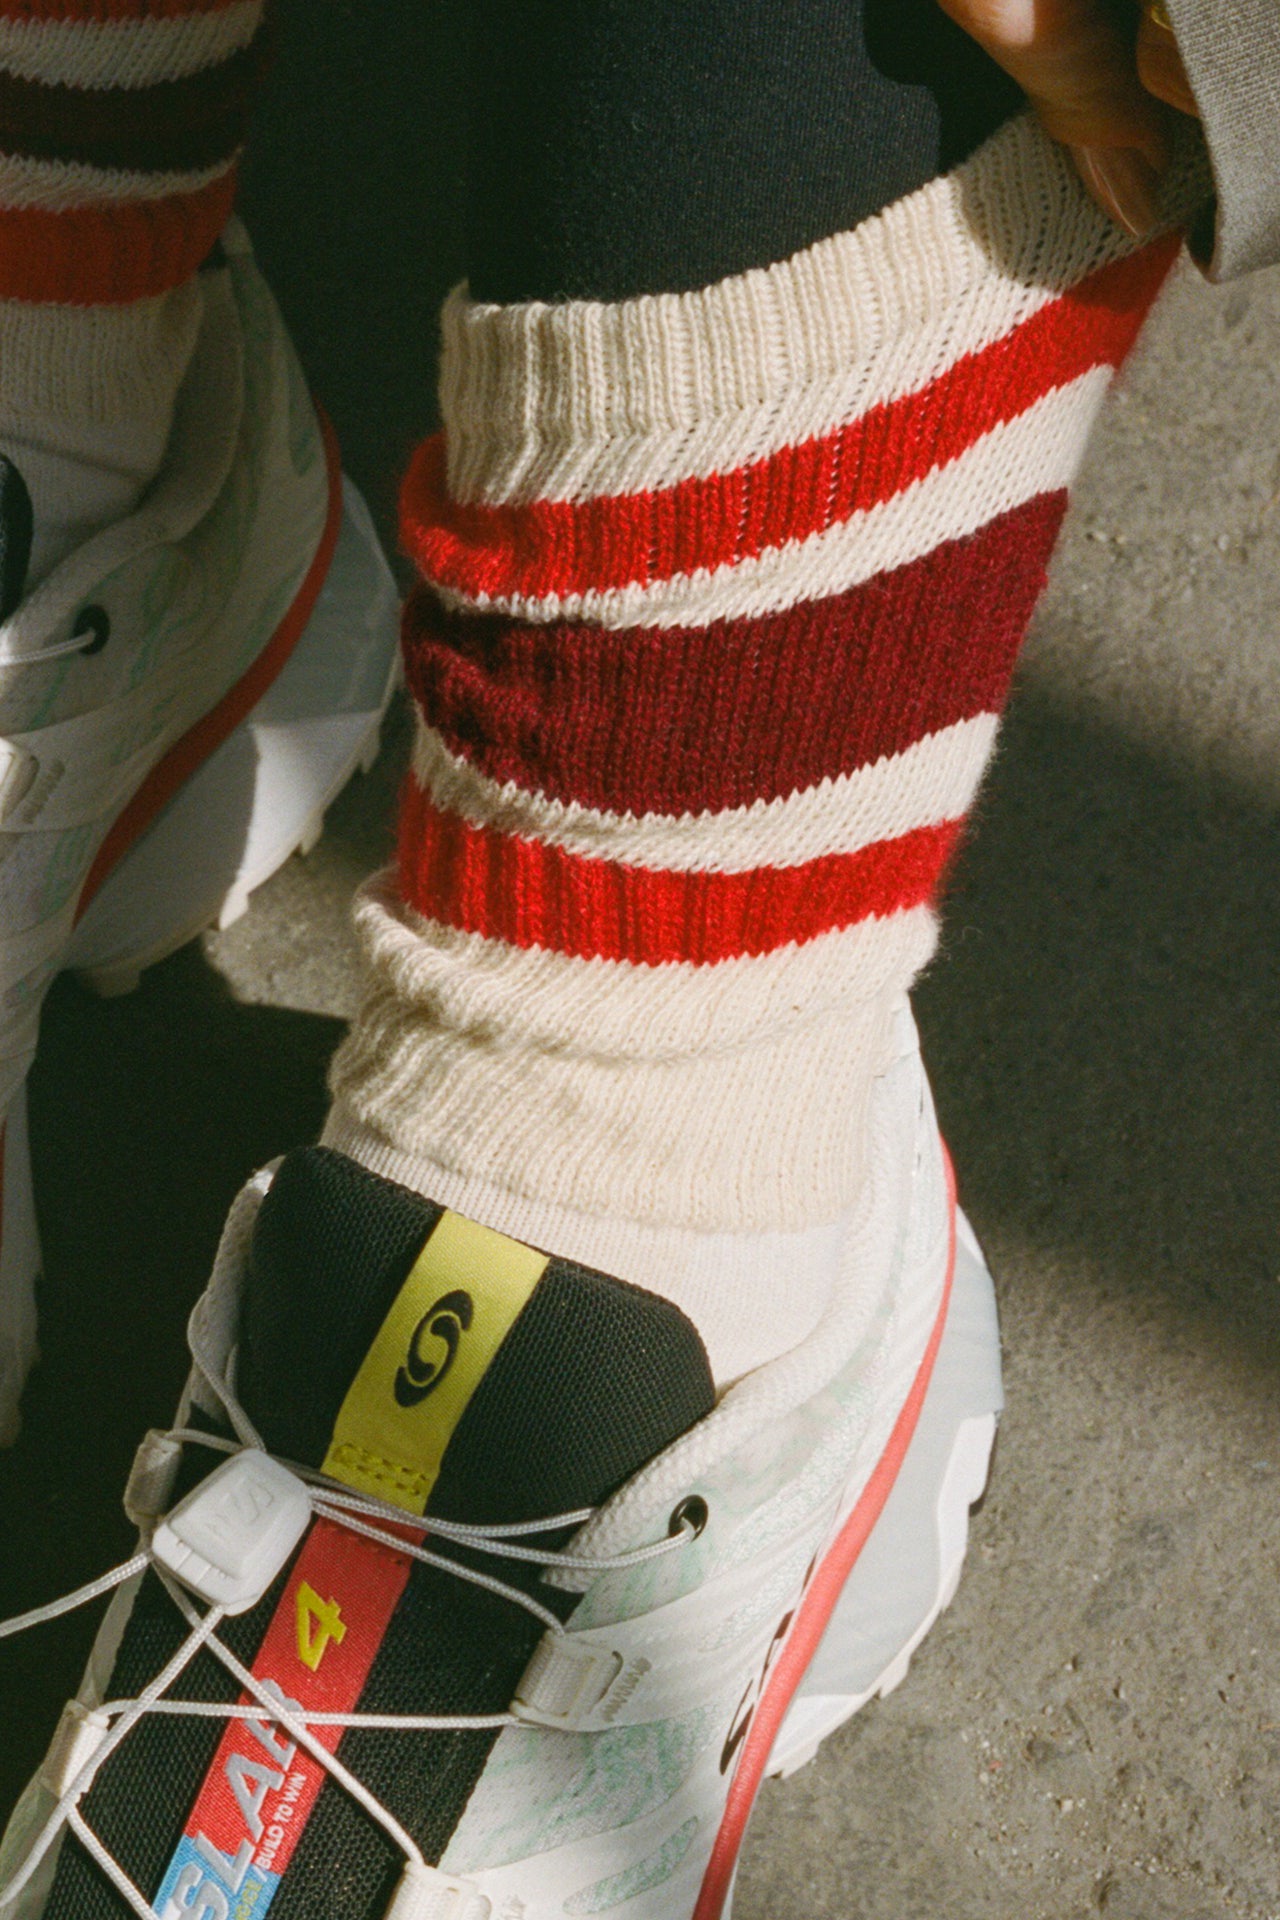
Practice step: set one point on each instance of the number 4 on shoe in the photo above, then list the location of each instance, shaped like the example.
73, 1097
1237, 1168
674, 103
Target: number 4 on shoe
459, 1596
180, 700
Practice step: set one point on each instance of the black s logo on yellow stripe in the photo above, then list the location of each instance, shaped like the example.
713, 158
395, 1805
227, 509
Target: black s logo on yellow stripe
459, 1300
447, 1320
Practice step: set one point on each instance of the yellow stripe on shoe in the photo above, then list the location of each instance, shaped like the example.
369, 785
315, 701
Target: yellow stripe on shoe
463, 1294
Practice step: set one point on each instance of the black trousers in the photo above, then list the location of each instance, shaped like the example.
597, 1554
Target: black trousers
620, 147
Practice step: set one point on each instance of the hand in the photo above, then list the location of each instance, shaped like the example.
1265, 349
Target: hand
1092, 89
1160, 67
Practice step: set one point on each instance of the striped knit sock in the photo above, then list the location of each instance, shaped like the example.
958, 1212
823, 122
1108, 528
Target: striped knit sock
723, 596
120, 126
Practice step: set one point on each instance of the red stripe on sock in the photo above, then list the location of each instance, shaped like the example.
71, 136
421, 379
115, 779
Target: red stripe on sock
532, 895
112, 254
575, 546
695, 720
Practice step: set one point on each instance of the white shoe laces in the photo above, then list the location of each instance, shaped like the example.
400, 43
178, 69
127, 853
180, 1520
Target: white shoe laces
359, 1514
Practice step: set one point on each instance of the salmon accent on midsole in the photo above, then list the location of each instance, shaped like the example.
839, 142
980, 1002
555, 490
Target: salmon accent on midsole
816, 1608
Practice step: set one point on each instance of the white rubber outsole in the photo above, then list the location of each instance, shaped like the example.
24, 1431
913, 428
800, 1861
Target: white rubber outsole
908, 1572
259, 798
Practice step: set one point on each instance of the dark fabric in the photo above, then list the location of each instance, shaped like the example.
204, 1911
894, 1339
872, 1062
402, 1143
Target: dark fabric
16, 527
593, 1379
139, 1802
621, 147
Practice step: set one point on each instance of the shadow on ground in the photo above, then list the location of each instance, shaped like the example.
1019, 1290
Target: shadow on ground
147, 1115
1103, 1027
1094, 1728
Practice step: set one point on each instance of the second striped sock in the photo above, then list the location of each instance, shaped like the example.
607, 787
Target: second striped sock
121, 123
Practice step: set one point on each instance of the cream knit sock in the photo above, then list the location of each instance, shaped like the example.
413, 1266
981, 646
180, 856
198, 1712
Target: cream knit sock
723, 594
86, 403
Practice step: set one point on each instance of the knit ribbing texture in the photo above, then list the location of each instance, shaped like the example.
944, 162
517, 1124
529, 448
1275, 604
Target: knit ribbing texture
721, 596
120, 125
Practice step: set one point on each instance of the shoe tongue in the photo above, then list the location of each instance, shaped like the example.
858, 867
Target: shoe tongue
16, 529
442, 1366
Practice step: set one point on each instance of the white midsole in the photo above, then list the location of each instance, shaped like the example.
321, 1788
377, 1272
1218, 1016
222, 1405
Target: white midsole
908, 1572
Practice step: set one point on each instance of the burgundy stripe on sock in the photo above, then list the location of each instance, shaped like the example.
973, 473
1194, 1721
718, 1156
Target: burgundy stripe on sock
529, 894
693, 720
551, 547
174, 125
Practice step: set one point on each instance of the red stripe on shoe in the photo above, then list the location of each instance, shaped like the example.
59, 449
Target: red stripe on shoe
529, 894
260, 1788
208, 734
562, 547
112, 254
816, 1608
687, 720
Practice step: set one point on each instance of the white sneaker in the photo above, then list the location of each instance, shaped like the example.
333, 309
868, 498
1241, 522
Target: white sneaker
179, 702
556, 1696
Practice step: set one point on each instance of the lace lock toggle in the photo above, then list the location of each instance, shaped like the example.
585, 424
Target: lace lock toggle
425, 1893
233, 1533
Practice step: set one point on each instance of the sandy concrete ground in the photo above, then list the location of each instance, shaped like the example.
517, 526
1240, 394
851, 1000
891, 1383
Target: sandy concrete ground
1095, 1727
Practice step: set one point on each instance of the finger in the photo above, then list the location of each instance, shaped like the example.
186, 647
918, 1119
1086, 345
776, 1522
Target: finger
1160, 67
1080, 74
1075, 66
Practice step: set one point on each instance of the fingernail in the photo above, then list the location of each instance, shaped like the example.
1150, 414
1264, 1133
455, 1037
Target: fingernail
1125, 182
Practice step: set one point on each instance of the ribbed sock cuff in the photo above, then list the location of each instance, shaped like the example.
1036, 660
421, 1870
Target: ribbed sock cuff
723, 594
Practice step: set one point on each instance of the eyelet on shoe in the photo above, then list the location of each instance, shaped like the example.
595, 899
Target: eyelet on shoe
97, 621
689, 1517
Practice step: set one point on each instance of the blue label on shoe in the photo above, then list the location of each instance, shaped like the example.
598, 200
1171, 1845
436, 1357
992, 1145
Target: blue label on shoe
203, 1884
